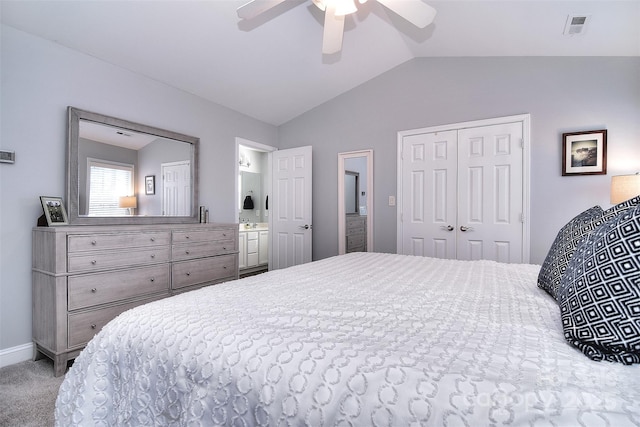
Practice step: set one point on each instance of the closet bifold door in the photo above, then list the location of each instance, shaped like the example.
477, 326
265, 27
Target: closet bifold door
490, 201
428, 194
463, 191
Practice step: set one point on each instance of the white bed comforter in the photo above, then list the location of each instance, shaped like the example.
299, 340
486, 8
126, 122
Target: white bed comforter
361, 339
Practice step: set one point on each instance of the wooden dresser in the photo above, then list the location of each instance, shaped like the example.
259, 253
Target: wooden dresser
84, 276
356, 233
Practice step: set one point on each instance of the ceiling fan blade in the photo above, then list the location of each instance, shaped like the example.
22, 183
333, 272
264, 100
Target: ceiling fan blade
333, 30
256, 7
417, 12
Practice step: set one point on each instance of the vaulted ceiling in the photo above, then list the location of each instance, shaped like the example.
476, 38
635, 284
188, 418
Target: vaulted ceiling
272, 67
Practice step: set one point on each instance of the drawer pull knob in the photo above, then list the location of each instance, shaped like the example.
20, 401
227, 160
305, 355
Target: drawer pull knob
153, 279
93, 242
94, 262
188, 273
186, 237
93, 326
224, 248
186, 252
94, 290
153, 256
153, 239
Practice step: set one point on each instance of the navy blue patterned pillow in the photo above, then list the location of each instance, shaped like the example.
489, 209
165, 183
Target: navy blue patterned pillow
599, 295
563, 247
569, 239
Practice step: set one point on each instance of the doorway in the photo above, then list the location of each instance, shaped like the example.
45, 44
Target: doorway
287, 198
252, 181
355, 201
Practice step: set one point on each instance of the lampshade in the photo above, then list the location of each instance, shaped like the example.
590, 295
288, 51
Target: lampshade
624, 187
128, 202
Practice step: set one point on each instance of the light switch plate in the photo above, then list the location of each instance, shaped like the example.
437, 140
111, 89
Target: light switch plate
7, 156
392, 200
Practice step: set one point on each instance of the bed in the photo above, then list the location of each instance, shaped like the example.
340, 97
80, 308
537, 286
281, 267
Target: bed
363, 339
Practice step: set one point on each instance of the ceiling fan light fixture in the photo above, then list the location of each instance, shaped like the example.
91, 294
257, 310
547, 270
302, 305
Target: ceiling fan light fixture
342, 7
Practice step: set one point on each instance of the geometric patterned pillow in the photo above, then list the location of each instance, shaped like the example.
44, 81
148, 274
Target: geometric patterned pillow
569, 239
563, 247
600, 292
615, 210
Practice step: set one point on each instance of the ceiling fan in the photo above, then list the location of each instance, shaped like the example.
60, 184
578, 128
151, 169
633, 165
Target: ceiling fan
415, 11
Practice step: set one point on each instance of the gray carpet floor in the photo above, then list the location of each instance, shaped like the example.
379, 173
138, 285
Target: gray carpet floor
28, 392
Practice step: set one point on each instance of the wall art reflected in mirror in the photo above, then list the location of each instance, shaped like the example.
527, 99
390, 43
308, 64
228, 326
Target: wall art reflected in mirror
109, 162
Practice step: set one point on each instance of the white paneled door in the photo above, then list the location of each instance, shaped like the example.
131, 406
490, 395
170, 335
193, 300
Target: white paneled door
463, 192
290, 207
429, 168
176, 188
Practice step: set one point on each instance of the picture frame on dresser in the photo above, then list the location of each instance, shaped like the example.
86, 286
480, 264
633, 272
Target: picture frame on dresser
54, 212
584, 153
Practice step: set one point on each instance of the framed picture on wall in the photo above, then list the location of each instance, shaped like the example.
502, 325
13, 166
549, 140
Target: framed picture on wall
150, 184
584, 153
54, 212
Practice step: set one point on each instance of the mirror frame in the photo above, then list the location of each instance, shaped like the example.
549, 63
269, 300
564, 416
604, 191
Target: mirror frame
74, 116
368, 154
352, 210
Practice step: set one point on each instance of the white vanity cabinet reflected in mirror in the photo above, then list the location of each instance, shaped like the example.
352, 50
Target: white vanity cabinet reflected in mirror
355, 201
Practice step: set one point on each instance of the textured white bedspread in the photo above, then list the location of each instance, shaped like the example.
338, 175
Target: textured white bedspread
362, 339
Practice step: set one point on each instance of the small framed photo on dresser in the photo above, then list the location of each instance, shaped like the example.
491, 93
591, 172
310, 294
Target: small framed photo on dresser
54, 212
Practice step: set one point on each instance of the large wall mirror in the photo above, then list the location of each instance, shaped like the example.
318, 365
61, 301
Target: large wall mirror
355, 201
120, 172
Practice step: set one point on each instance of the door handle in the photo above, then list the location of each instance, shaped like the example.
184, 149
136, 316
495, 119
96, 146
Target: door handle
305, 227
448, 227
463, 228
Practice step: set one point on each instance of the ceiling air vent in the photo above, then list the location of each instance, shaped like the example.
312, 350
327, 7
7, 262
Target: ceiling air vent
576, 25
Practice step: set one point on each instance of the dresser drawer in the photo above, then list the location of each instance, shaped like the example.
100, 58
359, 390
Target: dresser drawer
203, 236
355, 221
116, 259
92, 242
355, 240
88, 290
84, 325
202, 249
187, 273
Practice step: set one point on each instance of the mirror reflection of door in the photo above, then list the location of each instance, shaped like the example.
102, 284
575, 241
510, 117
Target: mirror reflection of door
351, 191
355, 192
176, 185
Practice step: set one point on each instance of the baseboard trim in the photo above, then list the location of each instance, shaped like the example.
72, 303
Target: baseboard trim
13, 355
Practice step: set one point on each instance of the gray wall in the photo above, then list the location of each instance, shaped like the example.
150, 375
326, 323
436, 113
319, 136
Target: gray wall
39, 80
561, 94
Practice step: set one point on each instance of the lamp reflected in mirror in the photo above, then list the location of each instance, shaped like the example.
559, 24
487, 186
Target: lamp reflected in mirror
129, 203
